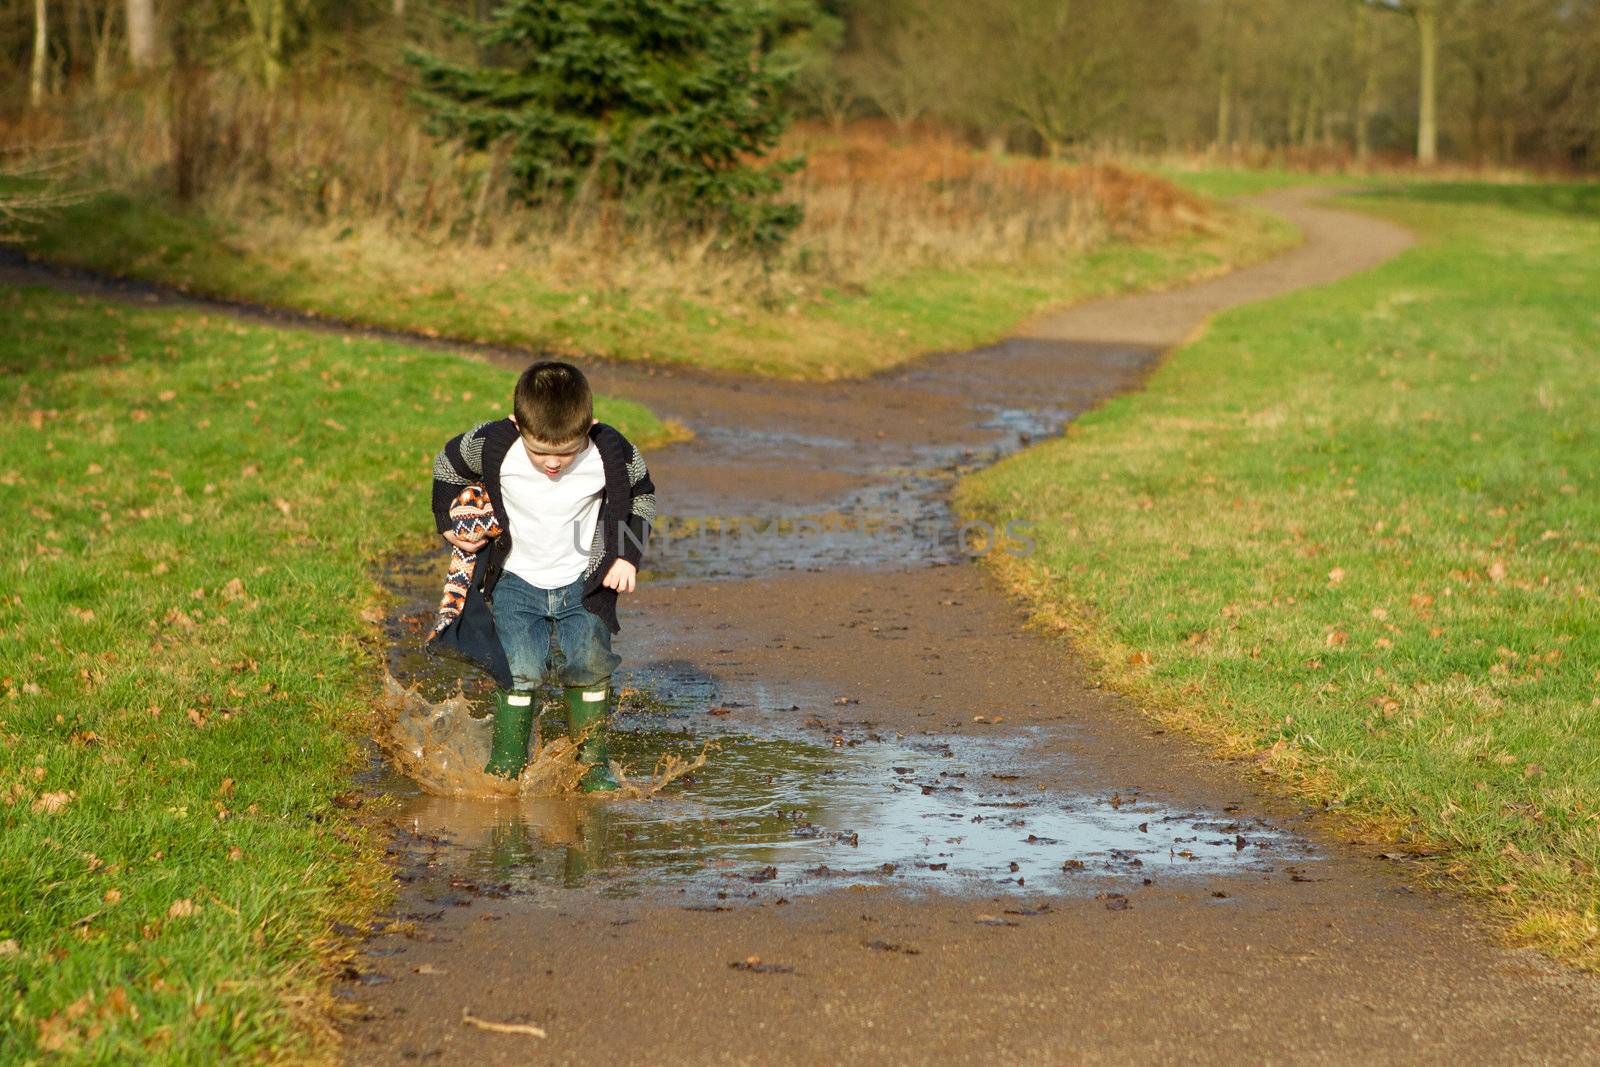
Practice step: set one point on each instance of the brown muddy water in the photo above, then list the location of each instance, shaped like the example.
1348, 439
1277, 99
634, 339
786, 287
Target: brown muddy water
797, 804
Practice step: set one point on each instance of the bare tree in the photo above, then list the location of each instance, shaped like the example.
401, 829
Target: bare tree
1366, 57
41, 53
900, 62
141, 17
1062, 70
99, 23
1425, 13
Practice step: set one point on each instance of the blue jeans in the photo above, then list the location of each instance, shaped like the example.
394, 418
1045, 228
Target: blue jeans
525, 617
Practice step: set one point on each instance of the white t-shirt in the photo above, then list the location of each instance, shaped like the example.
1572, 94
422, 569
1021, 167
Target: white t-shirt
552, 520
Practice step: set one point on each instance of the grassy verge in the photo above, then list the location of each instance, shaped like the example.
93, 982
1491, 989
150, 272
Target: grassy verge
1353, 532
469, 293
192, 505
1227, 183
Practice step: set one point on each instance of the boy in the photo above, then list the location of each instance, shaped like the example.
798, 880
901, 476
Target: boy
574, 503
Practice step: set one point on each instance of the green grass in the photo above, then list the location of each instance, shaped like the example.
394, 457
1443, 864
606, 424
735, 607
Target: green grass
186, 668
462, 293
1228, 183
1354, 531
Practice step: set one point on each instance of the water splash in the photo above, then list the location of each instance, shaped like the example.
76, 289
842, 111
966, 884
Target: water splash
442, 747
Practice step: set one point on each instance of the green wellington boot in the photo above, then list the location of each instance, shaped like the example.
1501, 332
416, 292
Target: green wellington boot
513, 725
586, 717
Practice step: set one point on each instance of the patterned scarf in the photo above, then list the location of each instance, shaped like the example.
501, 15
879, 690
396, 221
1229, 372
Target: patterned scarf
472, 512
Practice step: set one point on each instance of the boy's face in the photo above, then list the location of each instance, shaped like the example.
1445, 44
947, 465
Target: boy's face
550, 460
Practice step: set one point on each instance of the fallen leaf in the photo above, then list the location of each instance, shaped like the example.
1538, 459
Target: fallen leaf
181, 909
50, 803
1336, 575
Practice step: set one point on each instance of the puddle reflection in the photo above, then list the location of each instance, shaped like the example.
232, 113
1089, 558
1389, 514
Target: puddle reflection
792, 816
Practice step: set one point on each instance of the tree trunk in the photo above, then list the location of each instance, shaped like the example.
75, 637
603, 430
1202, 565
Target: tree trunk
1427, 16
41, 52
1367, 98
77, 54
1225, 110
102, 48
141, 33
189, 110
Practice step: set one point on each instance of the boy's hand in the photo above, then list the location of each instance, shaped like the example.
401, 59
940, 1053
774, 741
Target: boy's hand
620, 576
463, 544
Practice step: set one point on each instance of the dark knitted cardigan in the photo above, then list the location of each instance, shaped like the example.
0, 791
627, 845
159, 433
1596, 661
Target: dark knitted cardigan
627, 507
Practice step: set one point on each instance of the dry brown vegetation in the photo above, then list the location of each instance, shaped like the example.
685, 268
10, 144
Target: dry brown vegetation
322, 160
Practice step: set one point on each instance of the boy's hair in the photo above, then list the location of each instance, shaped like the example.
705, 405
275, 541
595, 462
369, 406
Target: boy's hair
553, 403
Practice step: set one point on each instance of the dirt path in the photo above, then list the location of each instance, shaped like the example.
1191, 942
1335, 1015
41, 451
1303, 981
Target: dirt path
1244, 934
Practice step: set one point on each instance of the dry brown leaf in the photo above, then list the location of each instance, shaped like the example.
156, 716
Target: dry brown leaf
181, 909
50, 803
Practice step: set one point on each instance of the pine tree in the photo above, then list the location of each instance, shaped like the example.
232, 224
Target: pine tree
663, 104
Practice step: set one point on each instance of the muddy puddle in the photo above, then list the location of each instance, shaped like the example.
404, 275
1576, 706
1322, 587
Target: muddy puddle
774, 815
901, 518
790, 799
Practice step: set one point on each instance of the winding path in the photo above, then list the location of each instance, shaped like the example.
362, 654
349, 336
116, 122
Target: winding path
1334, 959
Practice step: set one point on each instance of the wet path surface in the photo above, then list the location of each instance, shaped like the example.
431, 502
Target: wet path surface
836, 882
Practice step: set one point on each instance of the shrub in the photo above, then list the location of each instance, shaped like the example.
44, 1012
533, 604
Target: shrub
658, 103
